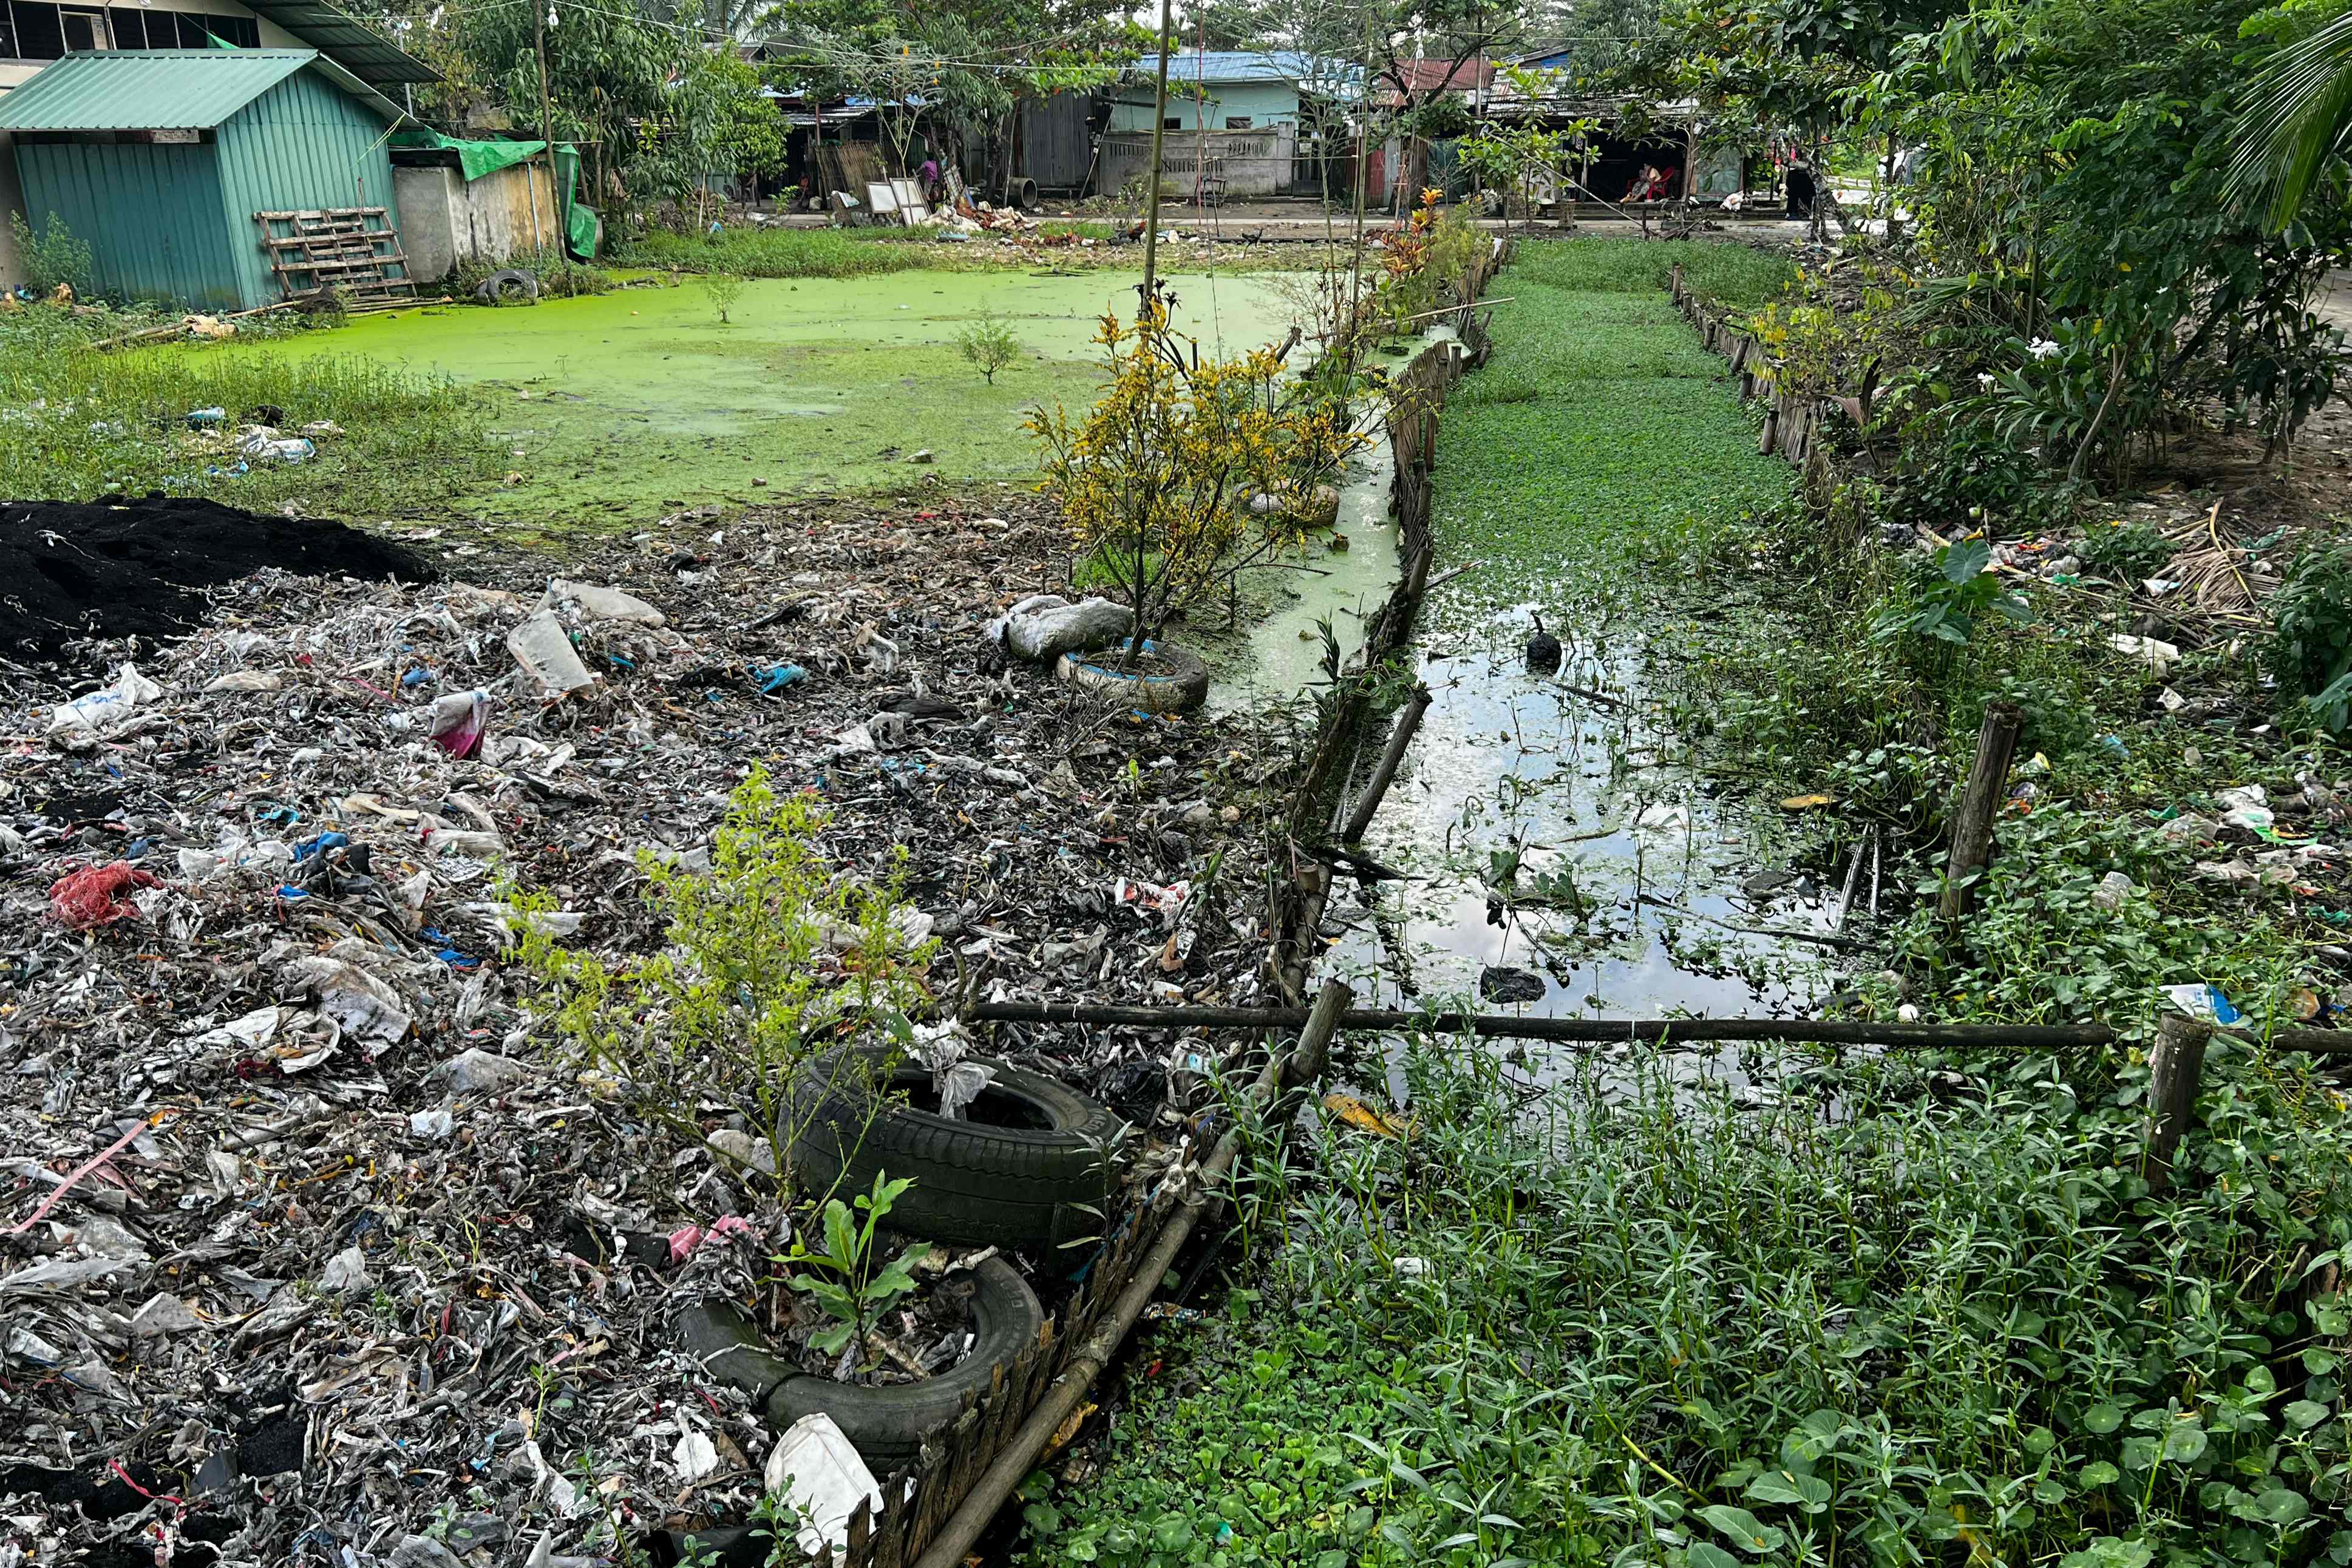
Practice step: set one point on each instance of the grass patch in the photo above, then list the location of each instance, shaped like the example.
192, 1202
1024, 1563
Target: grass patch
773, 252
1639, 1320
76, 425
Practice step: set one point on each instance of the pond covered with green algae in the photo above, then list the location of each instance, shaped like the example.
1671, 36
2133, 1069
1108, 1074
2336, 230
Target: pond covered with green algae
1559, 824
618, 408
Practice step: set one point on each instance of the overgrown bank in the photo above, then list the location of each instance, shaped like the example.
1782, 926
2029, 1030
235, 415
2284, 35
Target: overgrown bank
1912, 1309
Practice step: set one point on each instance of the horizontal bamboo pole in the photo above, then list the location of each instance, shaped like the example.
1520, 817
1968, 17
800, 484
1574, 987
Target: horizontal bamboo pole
1611, 1031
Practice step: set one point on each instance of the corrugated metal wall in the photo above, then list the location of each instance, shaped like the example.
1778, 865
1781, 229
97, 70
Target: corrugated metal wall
1056, 150
304, 144
151, 215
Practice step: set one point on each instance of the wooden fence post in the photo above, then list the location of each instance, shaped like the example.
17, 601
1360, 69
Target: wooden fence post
2174, 1068
1980, 802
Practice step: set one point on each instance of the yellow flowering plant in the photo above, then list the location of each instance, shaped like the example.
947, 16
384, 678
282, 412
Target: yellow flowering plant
1158, 478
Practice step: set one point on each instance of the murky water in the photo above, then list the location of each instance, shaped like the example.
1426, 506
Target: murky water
618, 407
1564, 852
1558, 837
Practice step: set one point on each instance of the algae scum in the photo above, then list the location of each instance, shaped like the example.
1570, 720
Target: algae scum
1569, 854
620, 407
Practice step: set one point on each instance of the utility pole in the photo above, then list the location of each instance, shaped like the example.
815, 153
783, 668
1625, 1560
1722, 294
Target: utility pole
1152, 210
547, 112
1363, 153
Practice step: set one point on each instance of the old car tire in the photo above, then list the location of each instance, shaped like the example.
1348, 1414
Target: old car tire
1028, 1165
887, 1426
508, 281
1174, 681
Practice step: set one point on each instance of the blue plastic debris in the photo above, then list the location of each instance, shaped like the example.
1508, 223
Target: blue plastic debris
320, 845
773, 678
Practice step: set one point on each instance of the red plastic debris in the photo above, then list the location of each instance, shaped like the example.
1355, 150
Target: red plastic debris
687, 1238
97, 896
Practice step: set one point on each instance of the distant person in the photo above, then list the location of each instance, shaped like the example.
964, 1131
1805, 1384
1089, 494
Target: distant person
1800, 190
934, 184
1643, 187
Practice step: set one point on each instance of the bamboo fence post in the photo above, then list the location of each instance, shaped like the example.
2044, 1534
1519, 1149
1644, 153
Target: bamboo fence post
1369, 804
1980, 802
2174, 1069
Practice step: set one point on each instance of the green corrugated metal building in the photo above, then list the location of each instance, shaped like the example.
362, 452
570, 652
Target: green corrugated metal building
159, 158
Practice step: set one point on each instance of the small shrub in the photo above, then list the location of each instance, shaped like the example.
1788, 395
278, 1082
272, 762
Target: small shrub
2310, 647
771, 957
1148, 475
723, 288
52, 256
988, 345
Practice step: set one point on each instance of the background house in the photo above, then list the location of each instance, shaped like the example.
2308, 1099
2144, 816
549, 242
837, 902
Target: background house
36, 33
164, 162
1240, 122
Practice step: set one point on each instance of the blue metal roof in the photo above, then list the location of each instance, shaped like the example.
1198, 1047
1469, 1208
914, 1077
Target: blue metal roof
1234, 65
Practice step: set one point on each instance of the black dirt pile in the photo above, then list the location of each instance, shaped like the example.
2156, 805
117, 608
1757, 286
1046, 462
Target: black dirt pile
70, 572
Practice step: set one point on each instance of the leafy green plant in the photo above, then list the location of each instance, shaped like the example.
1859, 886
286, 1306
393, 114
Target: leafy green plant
51, 256
843, 1277
1951, 596
988, 345
778, 1523
2309, 651
771, 956
722, 289
2128, 552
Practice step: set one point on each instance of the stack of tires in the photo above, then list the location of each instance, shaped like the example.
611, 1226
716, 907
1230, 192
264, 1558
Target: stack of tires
1028, 1167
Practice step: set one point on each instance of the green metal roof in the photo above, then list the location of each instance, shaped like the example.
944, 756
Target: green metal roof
164, 90
358, 49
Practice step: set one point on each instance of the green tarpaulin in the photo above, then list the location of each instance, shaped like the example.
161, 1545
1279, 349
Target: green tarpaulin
474, 159
582, 229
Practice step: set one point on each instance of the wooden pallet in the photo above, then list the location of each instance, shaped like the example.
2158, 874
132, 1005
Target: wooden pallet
336, 247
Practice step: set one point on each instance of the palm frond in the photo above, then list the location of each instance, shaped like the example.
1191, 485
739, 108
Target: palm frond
2296, 117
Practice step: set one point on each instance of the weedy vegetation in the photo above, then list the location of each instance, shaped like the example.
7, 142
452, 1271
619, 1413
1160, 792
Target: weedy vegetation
773, 957
1785, 1309
80, 424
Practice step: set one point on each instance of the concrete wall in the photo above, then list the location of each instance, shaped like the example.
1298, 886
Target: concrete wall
16, 73
446, 220
1265, 103
1252, 163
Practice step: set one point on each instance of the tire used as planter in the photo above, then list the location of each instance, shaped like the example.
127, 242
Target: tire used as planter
1028, 1165
888, 1425
1161, 678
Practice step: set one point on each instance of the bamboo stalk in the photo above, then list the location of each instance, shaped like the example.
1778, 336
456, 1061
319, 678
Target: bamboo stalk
1614, 1031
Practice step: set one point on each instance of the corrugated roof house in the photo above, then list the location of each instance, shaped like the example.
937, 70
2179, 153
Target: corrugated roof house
163, 160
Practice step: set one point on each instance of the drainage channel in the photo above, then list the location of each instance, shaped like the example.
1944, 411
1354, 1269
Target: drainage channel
1566, 852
